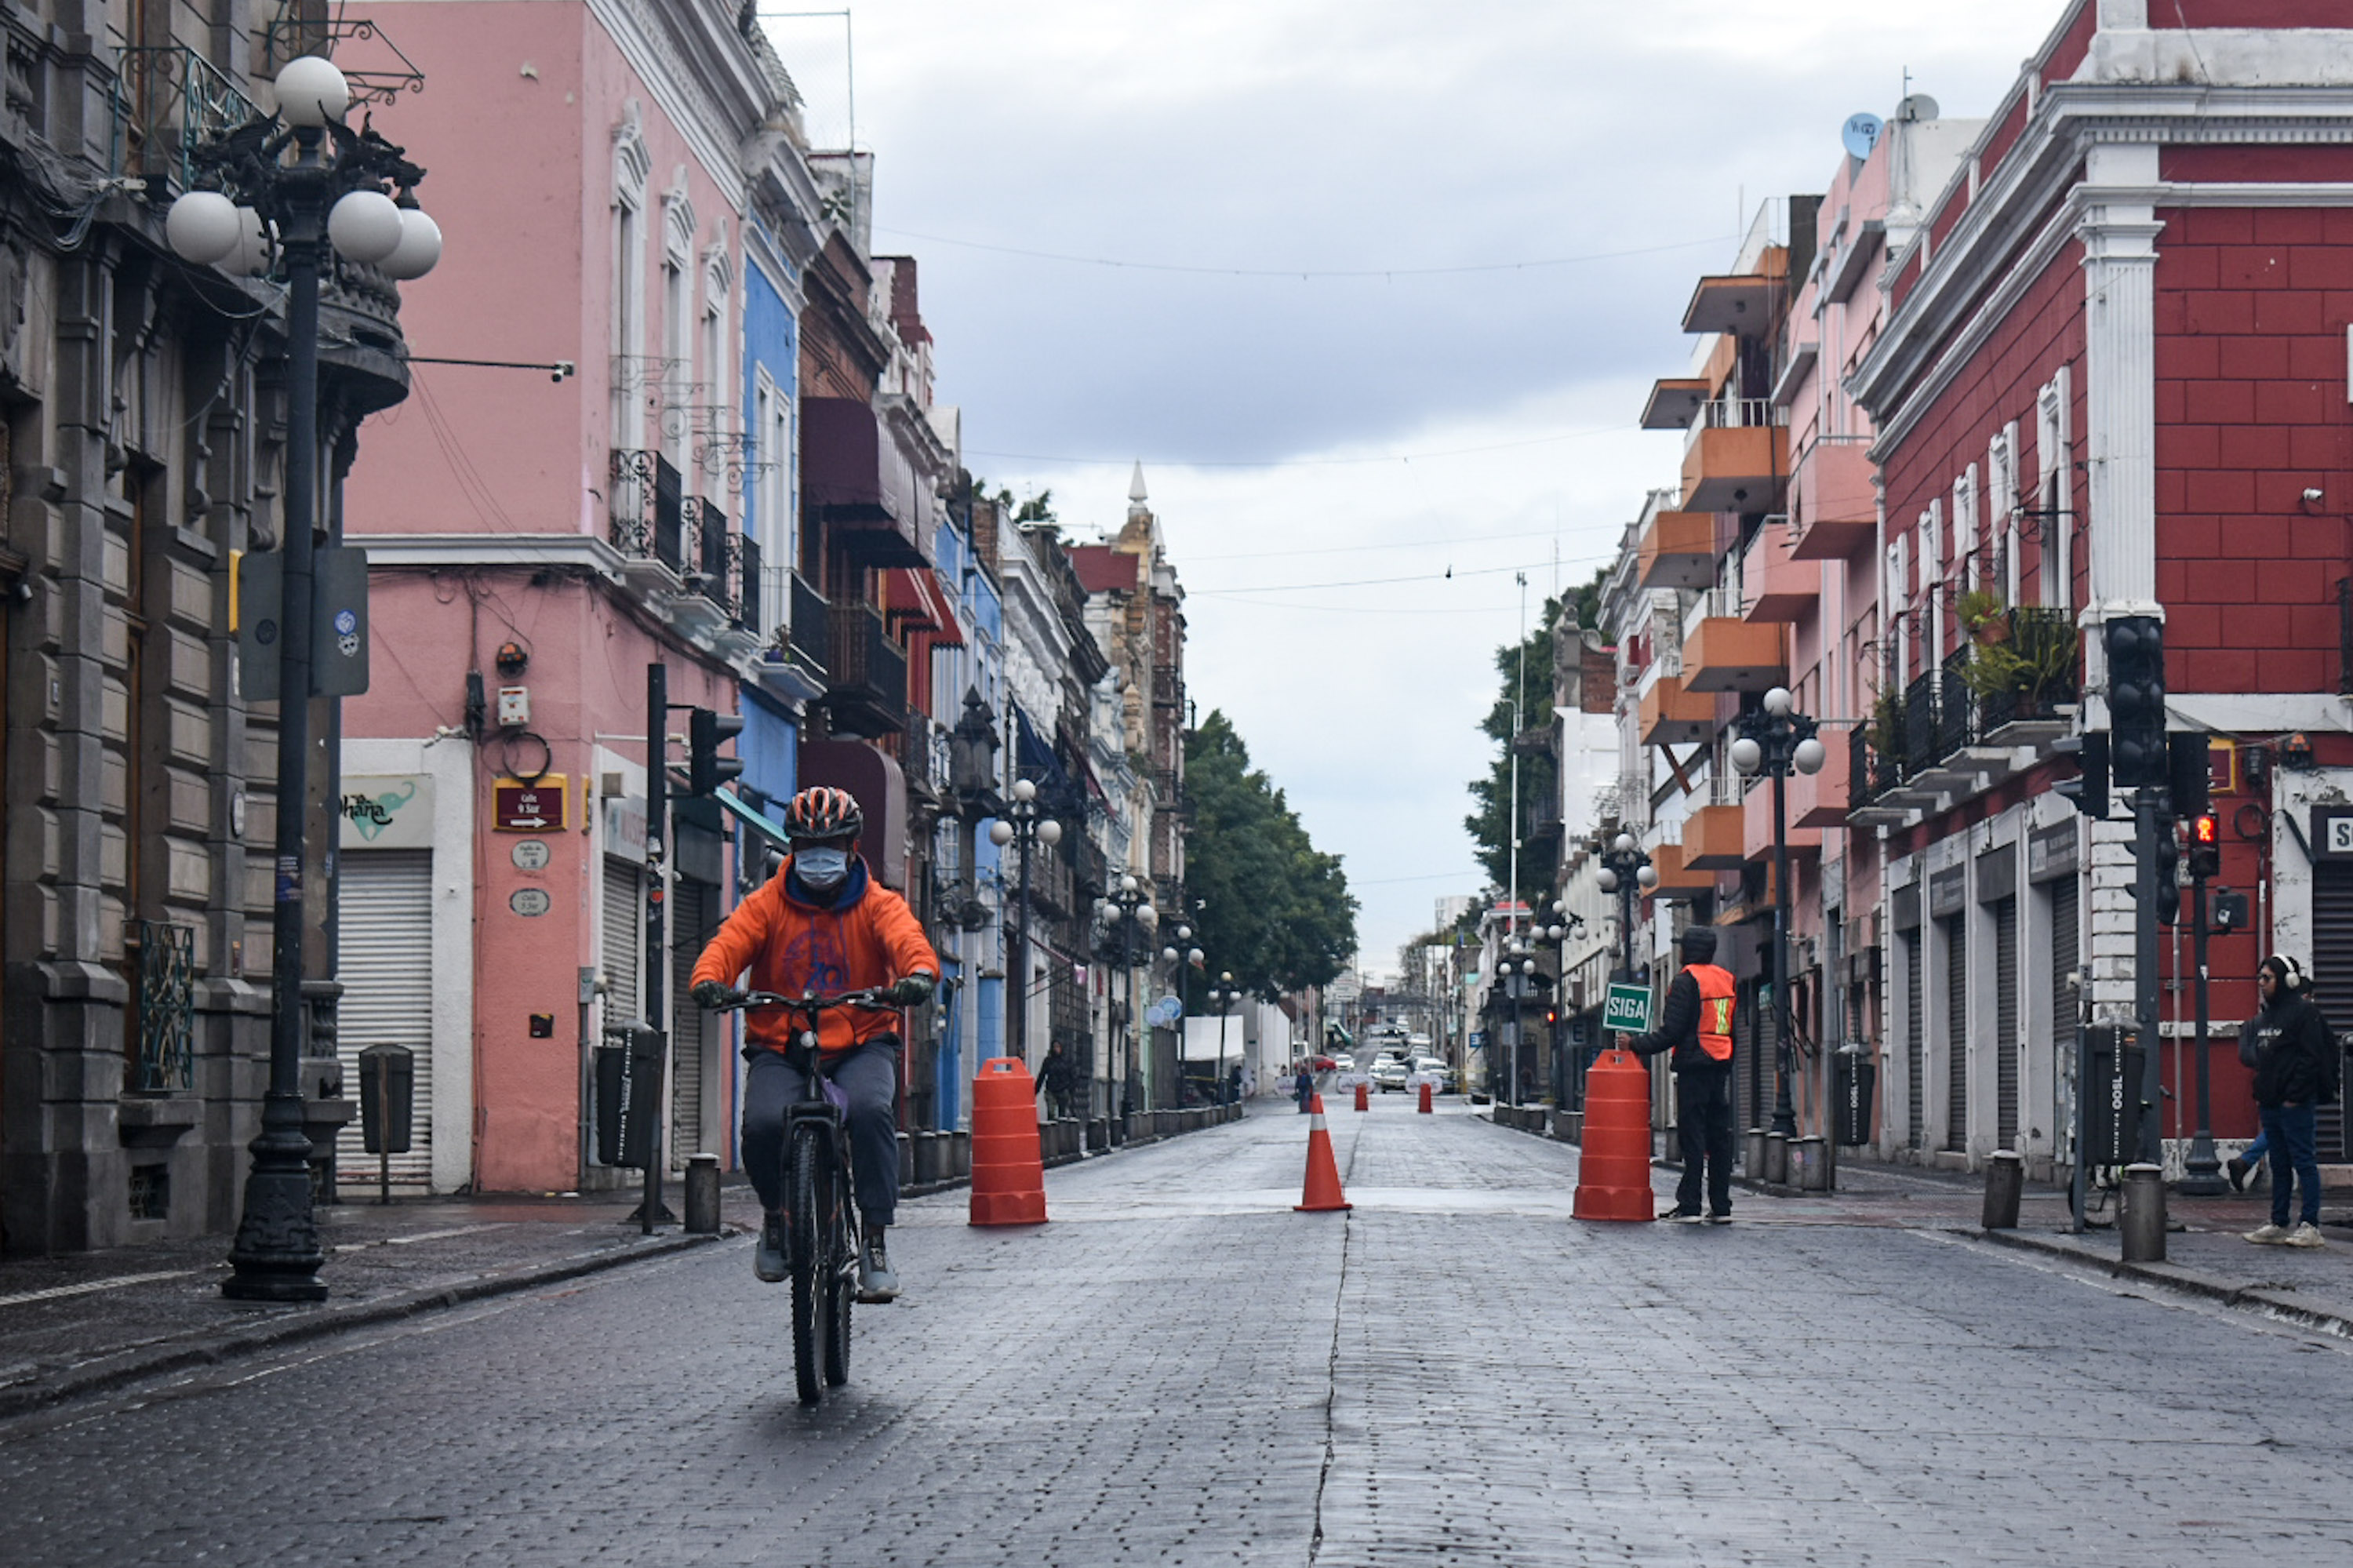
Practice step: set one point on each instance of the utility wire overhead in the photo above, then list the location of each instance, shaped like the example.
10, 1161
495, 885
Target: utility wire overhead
1305, 462
1303, 273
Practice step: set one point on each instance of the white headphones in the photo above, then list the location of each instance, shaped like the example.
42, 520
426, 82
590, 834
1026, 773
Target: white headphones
2293, 977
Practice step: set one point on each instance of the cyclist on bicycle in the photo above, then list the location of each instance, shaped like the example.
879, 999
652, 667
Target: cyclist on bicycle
823, 924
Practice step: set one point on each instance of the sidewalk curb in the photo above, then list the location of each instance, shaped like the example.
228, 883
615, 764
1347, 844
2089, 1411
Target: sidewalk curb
122, 1367
2278, 1304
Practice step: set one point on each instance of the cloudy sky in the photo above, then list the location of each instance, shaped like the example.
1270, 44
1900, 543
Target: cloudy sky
1391, 280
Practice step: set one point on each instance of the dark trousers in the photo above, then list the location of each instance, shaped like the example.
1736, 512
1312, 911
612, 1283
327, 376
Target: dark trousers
1704, 1117
2293, 1132
869, 1075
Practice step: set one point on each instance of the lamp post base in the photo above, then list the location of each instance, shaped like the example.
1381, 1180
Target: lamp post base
2202, 1172
276, 1256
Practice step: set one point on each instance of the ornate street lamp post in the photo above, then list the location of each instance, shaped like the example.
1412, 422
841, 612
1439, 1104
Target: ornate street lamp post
1182, 961
1026, 821
1129, 920
1777, 739
307, 181
1624, 868
1223, 995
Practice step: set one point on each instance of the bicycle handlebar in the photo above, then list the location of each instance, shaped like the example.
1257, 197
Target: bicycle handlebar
876, 996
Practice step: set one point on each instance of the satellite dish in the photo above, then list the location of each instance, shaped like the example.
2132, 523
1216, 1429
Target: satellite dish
1163, 1013
1919, 106
1860, 133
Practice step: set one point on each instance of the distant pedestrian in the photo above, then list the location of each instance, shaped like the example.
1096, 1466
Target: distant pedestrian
1304, 1089
1054, 1080
1696, 1026
1234, 1085
2295, 1056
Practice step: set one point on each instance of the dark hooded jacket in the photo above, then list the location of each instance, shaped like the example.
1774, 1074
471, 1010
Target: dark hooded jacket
2290, 1046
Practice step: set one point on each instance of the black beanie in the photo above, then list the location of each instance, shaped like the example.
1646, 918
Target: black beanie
1698, 943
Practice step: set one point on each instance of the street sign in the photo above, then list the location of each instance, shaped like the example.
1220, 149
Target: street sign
533, 808
1627, 1010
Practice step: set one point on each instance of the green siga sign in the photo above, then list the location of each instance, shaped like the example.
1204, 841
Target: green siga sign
1628, 1010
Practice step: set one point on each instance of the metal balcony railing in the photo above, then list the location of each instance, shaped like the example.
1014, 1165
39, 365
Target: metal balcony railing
749, 610
1861, 787
167, 101
1956, 710
1920, 723
866, 668
2043, 641
808, 632
648, 508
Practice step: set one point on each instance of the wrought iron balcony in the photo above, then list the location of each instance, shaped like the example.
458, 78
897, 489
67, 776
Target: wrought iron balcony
866, 693
647, 502
808, 634
750, 609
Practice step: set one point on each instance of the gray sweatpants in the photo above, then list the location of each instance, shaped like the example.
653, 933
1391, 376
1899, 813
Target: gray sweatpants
869, 1075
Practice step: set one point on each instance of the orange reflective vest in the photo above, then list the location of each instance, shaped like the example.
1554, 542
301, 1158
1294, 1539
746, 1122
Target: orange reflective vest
1714, 1029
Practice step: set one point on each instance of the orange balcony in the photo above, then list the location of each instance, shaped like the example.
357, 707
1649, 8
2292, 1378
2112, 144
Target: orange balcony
1741, 303
1722, 654
1674, 403
1756, 819
1736, 467
1677, 877
1821, 800
1832, 505
1777, 586
1714, 838
1675, 716
1678, 550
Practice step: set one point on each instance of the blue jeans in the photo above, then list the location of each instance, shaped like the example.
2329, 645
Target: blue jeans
869, 1075
2294, 1148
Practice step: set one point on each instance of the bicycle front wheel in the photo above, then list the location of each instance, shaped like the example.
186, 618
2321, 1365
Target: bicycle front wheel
844, 1283
811, 1260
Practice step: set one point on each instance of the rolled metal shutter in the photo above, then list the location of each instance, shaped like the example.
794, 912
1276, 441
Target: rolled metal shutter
1957, 1033
2064, 1008
2006, 1043
688, 901
623, 944
384, 960
1915, 1049
2332, 970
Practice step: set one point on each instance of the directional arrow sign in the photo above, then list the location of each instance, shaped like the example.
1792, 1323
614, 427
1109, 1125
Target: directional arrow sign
535, 807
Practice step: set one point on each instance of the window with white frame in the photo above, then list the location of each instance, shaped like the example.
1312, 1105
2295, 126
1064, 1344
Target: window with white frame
1897, 597
631, 165
1965, 527
2054, 491
2001, 499
1932, 572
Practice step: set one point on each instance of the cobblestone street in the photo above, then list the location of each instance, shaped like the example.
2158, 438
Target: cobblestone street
1181, 1369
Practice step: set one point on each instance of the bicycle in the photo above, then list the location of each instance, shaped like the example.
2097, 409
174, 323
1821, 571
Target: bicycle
823, 1237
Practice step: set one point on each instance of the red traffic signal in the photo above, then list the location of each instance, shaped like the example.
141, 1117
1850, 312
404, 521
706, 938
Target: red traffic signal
2205, 848
2204, 831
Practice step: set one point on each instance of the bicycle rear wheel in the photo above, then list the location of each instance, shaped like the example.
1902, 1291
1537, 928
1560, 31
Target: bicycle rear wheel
811, 1258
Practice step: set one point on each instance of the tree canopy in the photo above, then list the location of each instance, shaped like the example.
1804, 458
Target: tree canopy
1274, 909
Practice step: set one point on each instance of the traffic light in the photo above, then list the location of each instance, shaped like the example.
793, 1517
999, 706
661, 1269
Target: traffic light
2188, 773
2169, 873
706, 732
2205, 848
2089, 793
2135, 653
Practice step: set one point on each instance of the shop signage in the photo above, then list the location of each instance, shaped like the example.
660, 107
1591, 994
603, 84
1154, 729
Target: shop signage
388, 810
533, 808
2332, 833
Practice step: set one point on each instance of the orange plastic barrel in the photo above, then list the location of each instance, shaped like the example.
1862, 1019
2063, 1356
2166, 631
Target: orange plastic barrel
1008, 1177
1613, 1168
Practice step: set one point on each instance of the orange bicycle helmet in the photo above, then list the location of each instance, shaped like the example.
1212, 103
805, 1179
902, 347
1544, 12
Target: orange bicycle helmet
822, 813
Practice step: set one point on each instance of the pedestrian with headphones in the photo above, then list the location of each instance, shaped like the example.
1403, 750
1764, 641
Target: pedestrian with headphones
2293, 1055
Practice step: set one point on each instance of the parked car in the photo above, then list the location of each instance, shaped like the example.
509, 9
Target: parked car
1390, 1073
1440, 1075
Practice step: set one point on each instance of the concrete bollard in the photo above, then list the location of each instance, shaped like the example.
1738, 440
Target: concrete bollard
1752, 1154
1809, 1165
961, 1166
702, 1194
2005, 1181
1776, 1158
2140, 1216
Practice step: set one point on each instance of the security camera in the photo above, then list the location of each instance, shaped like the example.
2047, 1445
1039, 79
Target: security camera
2312, 498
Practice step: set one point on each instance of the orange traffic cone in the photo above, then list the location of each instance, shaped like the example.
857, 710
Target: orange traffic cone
1613, 1167
1364, 1098
1008, 1178
1323, 1191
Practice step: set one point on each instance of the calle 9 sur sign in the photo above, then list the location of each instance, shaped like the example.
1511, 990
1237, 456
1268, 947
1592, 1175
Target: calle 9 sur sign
533, 808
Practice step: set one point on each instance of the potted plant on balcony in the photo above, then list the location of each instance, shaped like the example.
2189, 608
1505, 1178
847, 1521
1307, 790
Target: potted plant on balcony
2021, 662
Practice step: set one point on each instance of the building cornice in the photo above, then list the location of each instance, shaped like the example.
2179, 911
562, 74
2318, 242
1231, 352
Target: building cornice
701, 74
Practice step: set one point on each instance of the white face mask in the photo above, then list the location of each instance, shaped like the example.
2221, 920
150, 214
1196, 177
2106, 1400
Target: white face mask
823, 867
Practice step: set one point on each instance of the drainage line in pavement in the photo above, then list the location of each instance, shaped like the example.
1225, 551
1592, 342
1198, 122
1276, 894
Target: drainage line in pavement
1332, 1373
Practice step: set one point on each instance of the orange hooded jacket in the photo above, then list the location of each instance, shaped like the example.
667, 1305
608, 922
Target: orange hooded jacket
868, 937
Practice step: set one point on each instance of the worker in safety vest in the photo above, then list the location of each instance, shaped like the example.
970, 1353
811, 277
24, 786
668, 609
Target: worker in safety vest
1696, 1026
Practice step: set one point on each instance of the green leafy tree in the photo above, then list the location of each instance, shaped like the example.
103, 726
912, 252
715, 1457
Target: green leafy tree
1528, 667
1275, 910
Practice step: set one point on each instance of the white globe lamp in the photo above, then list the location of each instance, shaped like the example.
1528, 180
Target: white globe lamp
1606, 879
1746, 754
1776, 701
1810, 755
1001, 834
1049, 832
203, 227
312, 91
364, 227
1024, 790
419, 250
1648, 877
